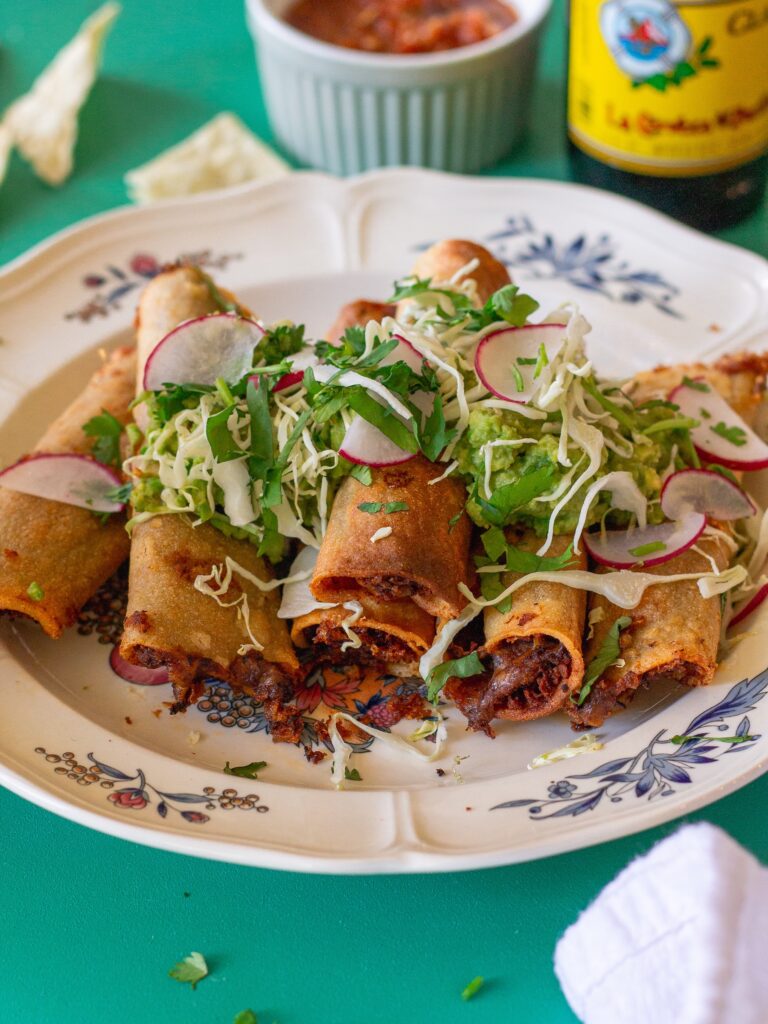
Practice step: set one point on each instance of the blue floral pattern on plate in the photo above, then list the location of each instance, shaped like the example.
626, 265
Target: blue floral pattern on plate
654, 772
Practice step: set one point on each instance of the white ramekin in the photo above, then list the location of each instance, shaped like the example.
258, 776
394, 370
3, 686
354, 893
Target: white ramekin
346, 111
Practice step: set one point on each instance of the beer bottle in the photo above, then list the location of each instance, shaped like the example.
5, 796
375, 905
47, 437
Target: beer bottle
668, 103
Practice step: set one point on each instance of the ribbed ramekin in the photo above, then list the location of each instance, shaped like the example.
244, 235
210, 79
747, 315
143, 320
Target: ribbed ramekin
346, 111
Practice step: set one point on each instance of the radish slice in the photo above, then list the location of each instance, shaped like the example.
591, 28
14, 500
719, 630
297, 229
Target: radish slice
368, 446
202, 350
136, 673
506, 360
703, 490
746, 608
70, 479
406, 353
624, 549
722, 435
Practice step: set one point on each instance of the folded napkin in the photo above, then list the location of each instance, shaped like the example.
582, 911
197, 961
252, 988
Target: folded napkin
679, 937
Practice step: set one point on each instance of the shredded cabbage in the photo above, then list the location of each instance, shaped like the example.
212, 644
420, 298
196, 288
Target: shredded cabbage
342, 751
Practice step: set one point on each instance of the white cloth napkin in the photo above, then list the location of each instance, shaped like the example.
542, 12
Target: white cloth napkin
679, 937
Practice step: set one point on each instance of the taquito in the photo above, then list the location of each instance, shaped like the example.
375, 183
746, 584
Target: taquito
424, 558
358, 314
535, 649
170, 623
675, 632
672, 637
67, 551
443, 260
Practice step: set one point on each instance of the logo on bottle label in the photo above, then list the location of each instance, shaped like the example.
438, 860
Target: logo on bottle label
667, 86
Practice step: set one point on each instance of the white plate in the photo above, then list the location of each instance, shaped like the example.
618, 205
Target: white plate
300, 247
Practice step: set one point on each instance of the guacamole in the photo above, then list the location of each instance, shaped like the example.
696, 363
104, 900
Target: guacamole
538, 461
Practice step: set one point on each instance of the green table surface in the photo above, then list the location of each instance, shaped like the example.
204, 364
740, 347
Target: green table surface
90, 925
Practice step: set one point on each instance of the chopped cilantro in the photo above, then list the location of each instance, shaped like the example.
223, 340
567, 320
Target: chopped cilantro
190, 970
352, 775
245, 771
371, 507
696, 385
727, 473
541, 361
280, 343
648, 549
433, 435
523, 361
106, 430
396, 506
362, 474
245, 1017
734, 435
494, 542
262, 444
121, 494
504, 502
223, 304
35, 591
472, 988
608, 653
519, 382
454, 520
675, 423
219, 437
461, 668
374, 507
705, 414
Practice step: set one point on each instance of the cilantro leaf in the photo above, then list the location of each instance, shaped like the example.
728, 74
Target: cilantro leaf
454, 520
257, 399
219, 437
472, 988
280, 343
396, 506
648, 549
734, 435
223, 304
696, 385
371, 507
461, 668
384, 419
511, 305
605, 657
245, 1017
505, 500
362, 474
190, 970
107, 430
494, 542
352, 775
491, 585
528, 561
35, 592
433, 435
245, 771
121, 494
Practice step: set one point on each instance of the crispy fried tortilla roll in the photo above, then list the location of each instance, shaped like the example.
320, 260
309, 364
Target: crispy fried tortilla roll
740, 378
358, 314
67, 551
675, 632
673, 636
168, 621
444, 259
424, 558
390, 632
535, 648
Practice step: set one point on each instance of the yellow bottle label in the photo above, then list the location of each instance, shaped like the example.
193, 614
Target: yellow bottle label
669, 88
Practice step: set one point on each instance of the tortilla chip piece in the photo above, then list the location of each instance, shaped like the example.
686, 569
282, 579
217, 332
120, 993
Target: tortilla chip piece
43, 122
221, 153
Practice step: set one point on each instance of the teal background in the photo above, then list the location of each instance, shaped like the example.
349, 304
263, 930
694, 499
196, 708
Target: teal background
90, 925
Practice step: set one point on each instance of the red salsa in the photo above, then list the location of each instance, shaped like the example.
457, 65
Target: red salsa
401, 26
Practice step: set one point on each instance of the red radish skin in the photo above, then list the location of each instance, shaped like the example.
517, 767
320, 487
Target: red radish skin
705, 491
497, 352
62, 477
749, 606
411, 355
196, 352
288, 381
712, 448
689, 527
137, 674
